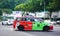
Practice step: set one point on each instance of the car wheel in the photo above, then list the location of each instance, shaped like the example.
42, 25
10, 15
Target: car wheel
46, 28
6, 23
20, 27
2, 23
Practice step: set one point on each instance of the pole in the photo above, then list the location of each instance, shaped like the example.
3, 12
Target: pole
44, 9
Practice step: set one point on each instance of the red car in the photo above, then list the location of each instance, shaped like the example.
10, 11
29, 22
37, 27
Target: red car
31, 23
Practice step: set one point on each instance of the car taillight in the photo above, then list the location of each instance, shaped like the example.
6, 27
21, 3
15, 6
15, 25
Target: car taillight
51, 27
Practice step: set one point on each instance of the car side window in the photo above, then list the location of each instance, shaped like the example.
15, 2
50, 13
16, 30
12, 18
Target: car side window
18, 19
23, 19
32, 19
28, 19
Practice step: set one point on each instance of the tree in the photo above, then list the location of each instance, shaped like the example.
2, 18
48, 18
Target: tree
53, 6
8, 11
32, 5
10, 4
0, 12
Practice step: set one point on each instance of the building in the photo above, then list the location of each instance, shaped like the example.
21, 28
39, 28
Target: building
43, 14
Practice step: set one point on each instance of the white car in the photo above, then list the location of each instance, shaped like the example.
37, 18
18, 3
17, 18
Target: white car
58, 22
53, 22
7, 22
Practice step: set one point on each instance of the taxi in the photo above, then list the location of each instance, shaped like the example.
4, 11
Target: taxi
31, 23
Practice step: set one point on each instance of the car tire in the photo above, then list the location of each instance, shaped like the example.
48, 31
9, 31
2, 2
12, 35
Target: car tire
2, 23
20, 27
7, 24
46, 28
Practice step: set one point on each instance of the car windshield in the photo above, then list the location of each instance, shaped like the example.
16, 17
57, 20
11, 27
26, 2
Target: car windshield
10, 18
4, 20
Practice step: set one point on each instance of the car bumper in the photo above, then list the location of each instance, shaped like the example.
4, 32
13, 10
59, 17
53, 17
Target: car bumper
50, 27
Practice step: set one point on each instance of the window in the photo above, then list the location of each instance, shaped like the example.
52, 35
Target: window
40, 19
32, 19
28, 19
23, 19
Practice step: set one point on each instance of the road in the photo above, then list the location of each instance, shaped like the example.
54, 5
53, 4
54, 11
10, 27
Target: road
8, 31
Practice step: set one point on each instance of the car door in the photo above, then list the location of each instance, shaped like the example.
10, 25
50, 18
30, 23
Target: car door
22, 21
26, 23
37, 25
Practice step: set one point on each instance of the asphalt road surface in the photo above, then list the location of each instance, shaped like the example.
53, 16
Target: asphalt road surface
8, 31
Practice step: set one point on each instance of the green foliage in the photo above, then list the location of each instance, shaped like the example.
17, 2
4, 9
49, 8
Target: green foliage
8, 11
10, 4
24, 7
54, 5
37, 5
0, 12
32, 5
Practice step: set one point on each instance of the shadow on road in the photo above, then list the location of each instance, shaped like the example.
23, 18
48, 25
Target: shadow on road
34, 31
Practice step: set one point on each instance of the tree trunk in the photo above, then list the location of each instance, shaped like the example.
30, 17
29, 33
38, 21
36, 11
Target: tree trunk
50, 14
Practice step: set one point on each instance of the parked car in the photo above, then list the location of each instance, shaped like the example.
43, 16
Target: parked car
7, 21
58, 22
30, 23
53, 22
